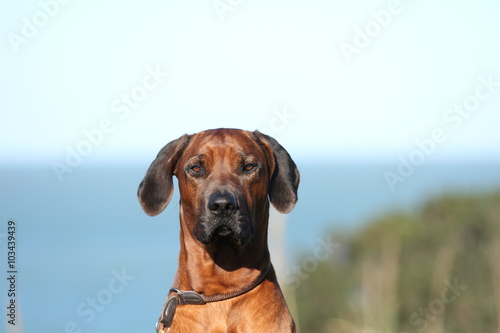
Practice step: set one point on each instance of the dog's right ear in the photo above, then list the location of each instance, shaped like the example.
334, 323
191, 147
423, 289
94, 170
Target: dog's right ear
285, 176
157, 187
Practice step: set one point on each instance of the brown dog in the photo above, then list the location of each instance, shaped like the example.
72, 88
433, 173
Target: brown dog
225, 281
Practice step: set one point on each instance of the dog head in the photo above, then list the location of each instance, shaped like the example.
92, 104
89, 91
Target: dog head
226, 179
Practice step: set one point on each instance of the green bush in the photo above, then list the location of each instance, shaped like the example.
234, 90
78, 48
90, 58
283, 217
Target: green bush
433, 270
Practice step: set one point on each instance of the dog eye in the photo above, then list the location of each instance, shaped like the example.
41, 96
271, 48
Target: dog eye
196, 168
249, 167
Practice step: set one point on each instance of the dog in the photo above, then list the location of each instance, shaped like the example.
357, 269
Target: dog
225, 281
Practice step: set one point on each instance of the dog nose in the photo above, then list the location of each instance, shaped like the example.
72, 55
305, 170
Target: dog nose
222, 204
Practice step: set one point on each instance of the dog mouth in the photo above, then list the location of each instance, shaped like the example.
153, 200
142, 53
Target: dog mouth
222, 232
234, 232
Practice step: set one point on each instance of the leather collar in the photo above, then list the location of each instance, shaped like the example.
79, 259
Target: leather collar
184, 297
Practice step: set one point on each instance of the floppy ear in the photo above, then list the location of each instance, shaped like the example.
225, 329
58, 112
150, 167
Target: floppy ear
155, 190
285, 176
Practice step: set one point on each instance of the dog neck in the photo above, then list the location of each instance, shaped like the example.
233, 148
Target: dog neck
221, 267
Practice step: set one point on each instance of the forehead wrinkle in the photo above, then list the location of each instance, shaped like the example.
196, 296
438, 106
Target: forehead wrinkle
221, 145
225, 146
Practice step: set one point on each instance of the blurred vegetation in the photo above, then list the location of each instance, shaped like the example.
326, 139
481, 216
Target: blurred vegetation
433, 270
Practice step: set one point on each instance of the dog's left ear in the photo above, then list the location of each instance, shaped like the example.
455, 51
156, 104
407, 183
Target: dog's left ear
285, 176
156, 189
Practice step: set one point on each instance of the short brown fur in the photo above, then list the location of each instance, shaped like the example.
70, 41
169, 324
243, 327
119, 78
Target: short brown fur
209, 263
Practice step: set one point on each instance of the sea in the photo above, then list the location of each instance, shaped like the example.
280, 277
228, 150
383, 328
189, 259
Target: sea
84, 257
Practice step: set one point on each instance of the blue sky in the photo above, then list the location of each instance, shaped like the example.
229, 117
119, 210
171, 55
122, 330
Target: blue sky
328, 79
